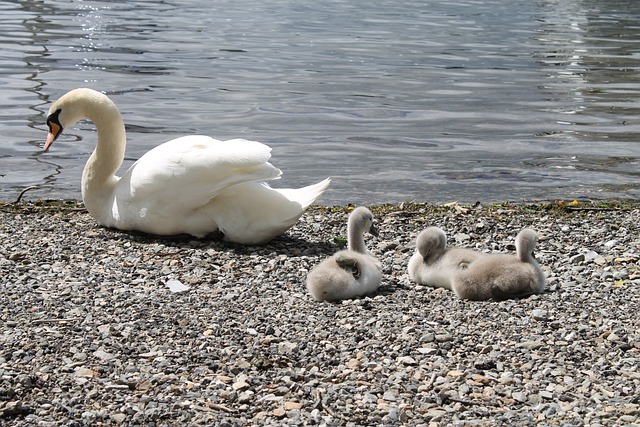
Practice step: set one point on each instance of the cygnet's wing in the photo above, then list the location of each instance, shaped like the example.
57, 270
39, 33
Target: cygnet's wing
347, 261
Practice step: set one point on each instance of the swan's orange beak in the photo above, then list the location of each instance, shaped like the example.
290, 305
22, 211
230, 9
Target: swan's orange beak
54, 132
48, 142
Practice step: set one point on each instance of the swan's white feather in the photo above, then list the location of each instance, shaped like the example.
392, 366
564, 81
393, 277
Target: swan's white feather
193, 184
194, 169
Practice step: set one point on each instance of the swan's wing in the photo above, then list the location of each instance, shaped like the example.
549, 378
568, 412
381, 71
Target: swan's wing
193, 169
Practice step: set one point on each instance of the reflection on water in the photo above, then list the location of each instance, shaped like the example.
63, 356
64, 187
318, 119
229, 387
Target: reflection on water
478, 100
591, 54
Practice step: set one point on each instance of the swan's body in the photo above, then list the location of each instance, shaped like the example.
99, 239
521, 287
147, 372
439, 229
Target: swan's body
475, 275
191, 185
348, 273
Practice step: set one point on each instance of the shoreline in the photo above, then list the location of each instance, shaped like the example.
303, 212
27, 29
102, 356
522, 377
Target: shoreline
92, 334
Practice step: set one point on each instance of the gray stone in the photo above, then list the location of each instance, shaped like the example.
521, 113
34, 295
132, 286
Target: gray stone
92, 334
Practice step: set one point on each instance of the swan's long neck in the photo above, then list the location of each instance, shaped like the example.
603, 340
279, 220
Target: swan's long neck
98, 177
356, 238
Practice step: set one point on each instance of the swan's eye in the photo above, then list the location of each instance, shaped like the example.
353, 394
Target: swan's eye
54, 117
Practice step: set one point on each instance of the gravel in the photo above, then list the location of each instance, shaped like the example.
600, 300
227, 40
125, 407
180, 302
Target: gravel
101, 327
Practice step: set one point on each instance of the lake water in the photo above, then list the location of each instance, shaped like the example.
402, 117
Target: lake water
439, 101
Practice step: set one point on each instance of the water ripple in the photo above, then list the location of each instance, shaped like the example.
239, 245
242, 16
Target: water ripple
473, 100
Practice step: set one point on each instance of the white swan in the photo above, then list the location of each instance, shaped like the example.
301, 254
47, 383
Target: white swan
190, 185
475, 275
348, 273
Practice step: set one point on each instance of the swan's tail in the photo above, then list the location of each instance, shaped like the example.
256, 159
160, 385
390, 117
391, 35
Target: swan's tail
269, 211
306, 195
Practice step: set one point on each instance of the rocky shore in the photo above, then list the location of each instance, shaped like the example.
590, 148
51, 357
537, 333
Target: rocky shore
102, 327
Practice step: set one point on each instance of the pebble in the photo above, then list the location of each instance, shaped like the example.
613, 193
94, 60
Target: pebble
93, 335
577, 259
519, 396
539, 314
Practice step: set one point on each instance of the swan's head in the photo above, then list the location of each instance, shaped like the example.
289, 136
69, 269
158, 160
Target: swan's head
70, 108
362, 219
430, 241
54, 126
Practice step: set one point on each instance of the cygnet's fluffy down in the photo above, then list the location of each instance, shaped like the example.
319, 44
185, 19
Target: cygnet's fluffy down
348, 273
476, 275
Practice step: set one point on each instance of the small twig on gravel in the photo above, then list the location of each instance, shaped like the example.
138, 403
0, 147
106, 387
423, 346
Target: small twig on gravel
431, 380
73, 209
222, 408
320, 405
169, 253
595, 208
41, 321
444, 398
62, 406
24, 191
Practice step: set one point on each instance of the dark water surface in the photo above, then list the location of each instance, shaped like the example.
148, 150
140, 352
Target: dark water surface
489, 100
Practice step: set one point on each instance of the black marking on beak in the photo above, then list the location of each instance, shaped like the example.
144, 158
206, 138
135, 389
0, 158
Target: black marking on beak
55, 128
53, 123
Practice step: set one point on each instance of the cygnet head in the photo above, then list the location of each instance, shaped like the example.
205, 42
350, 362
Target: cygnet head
431, 241
526, 242
361, 220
